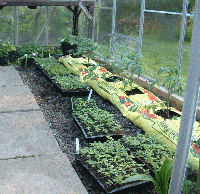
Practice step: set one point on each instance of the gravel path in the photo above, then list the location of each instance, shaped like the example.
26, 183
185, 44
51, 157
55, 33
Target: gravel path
57, 111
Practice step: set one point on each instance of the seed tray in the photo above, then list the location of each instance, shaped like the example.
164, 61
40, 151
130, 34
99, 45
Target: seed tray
75, 92
102, 184
102, 137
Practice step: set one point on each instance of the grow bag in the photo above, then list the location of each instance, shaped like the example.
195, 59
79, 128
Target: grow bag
137, 108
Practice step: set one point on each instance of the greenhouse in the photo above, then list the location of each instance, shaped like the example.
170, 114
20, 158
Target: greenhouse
100, 96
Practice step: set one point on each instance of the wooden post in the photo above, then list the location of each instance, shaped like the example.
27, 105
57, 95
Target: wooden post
15, 26
76, 13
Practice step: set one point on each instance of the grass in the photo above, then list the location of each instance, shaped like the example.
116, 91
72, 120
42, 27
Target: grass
158, 52
162, 53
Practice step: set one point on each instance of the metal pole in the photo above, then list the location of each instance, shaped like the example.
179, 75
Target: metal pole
112, 38
182, 33
16, 26
47, 26
141, 26
189, 109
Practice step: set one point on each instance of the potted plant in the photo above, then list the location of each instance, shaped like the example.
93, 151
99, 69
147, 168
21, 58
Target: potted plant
69, 46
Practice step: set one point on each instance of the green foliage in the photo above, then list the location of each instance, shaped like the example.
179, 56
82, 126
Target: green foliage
36, 49
70, 82
111, 161
190, 187
5, 47
52, 66
148, 149
95, 120
172, 81
29, 48
85, 45
162, 177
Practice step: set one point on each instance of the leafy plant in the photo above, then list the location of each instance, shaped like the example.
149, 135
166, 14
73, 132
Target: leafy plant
95, 120
148, 149
111, 161
172, 81
85, 45
5, 47
52, 66
29, 49
70, 82
161, 180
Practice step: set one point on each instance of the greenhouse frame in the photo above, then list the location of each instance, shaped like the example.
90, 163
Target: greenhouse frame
149, 48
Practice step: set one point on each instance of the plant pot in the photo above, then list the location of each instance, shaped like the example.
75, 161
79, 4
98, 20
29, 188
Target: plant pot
3, 61
13, 56
32, 7
66, 47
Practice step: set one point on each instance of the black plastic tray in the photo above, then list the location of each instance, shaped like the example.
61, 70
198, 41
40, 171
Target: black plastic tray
127, 186
102, 137
70, 93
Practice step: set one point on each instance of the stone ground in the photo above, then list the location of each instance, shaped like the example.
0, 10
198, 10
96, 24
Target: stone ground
31, 160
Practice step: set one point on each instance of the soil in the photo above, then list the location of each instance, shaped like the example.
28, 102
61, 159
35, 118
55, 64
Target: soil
57, 112
163, 114
134, 92
114, 79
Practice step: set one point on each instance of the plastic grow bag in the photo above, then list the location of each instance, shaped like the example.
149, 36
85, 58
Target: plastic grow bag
137, 108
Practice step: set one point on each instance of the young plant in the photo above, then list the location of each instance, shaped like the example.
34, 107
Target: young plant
111, 162
70, 82
172, 81
128, 67
161, 180
85, 45
148, 149
196, 152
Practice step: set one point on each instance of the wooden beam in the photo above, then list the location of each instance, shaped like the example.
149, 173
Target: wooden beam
44, 3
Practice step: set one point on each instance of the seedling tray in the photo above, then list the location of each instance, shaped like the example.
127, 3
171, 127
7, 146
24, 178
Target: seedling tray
102, 137
70, 93
93, 138
102, 184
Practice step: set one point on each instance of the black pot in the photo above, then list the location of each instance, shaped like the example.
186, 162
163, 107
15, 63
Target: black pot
66, 47
13, 56
3, 61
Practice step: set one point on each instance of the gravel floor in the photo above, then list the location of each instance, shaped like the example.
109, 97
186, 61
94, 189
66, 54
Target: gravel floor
57, 111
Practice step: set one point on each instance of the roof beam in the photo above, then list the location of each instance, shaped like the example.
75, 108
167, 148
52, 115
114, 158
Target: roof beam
44, 3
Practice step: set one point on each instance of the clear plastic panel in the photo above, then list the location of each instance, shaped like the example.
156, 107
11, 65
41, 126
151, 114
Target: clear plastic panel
7, 24
160, 42
165, 5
